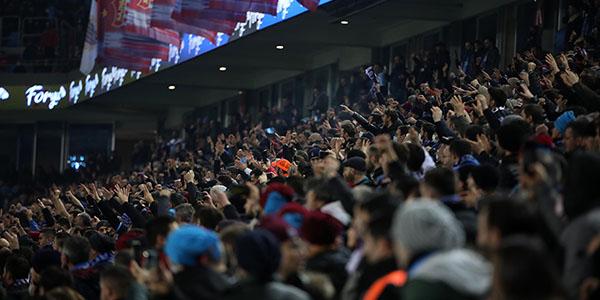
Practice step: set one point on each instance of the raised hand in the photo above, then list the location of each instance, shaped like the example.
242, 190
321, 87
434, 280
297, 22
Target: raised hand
459, 105
122, 193
569, 78
436, 114
552, 64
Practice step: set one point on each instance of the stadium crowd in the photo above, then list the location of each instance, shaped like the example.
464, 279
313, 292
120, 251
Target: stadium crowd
428, 183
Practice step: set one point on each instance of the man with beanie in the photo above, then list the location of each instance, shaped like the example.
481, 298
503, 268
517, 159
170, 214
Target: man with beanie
428, 243
355, 172
194, 253
258, 256
325, 255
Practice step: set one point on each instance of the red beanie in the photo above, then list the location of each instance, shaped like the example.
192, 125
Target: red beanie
285, 191
320, 228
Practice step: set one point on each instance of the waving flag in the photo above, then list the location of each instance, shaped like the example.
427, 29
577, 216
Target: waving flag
90, 48
162, 17
187, 12
127, 39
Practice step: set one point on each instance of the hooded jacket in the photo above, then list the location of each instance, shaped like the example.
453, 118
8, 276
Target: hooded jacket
453, 274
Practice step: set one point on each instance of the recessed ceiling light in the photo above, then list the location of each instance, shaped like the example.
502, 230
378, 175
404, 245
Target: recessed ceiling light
279, 47
222, 69
171, 87
344, 22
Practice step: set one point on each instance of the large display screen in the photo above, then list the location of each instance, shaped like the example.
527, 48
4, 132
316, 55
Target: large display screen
105, 79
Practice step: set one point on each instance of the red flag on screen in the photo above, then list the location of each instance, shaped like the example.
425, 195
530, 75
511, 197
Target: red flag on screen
126, 38
259, 6
310, 4
187, 12
162, 12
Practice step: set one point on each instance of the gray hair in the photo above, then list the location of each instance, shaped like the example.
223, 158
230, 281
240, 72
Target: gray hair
184, 213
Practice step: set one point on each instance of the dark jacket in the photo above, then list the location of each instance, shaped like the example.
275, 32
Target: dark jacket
333, 264
87, 282
453, 274
18, 290
252, 289
200, 283
360, 281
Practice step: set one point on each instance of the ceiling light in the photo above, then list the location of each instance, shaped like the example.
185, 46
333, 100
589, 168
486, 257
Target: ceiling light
240, 92
279, 47
344, 22
171, 87
222, 69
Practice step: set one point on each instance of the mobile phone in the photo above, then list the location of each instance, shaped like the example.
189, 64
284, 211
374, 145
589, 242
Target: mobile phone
270, 130
150, 259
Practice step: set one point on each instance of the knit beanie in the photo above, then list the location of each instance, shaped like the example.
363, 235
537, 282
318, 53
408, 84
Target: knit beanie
426, 225
258, 253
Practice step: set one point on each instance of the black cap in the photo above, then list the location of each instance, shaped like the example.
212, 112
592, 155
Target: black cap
356, 163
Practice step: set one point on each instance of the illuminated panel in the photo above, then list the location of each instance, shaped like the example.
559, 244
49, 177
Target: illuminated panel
105, 79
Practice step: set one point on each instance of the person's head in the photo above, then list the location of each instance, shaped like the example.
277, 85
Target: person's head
191, 246
376, 237
501, 217
533, 114
75, 250
489, 43
522, 255
373, 156
348, 130
468, 45
100, 243
513, 134
46, 237
292, 248
115, 283
320, 231
579, 135
497, 97
318, 194
444, 156
82, 220
15, 268
54, 277
184, 213
416, 157
40, 261
355, 169
438, 182
258, 254
208, 217
422, 226
157, 230
458, 149
485, 177
390, 117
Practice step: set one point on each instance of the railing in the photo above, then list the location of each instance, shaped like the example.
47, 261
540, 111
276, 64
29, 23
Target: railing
17, 32
10, 31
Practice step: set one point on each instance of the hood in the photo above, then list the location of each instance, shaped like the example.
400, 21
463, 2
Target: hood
463, 270
336, 210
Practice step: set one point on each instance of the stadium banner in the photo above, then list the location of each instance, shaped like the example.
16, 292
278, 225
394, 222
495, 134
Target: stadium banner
103, 79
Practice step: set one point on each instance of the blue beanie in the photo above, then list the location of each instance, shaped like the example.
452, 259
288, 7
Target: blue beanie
188, 242
258, 254
275, 201
563, 121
